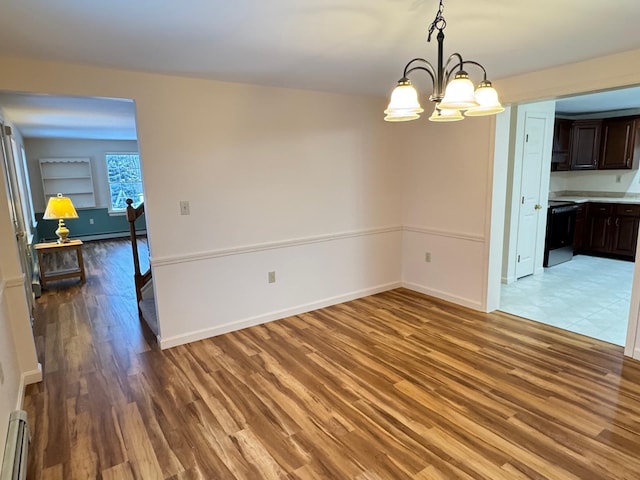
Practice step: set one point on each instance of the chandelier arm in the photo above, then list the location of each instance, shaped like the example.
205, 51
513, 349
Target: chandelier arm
424, 69
458, 66
426, 65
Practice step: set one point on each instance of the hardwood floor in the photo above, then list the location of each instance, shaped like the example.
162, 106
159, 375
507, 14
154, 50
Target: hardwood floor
393, 386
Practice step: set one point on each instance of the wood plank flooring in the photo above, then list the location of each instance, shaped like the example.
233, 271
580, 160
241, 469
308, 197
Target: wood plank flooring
393, 386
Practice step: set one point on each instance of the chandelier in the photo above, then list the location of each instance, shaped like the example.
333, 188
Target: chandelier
458, 97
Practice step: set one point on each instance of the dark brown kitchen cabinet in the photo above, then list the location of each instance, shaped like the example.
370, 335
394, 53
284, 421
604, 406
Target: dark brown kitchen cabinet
585, 144
611, 228
624, 236
560, 160
618, 143
598, 227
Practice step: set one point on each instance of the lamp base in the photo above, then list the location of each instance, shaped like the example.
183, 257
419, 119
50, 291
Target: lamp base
62, 232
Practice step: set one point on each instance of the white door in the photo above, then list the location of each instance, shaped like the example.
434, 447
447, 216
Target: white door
530, 207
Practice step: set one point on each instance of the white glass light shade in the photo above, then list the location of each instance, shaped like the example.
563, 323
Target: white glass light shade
444, 115
404, 104
487, 98
459, 94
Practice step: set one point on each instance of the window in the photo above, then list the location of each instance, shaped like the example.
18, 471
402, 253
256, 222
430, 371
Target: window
125, 180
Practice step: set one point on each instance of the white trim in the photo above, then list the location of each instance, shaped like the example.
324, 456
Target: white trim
269, 317
465, 302
14, 282
27, 378
444, 233
106, 236
260, 247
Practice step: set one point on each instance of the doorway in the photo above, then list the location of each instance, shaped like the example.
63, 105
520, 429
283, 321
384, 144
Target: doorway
85, 148
588, 294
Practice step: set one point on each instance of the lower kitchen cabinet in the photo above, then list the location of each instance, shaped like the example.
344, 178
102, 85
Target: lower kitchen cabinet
611, 229
598, 231
625, 230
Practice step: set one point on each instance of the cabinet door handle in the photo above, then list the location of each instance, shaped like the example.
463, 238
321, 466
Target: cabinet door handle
609, 221
617, 222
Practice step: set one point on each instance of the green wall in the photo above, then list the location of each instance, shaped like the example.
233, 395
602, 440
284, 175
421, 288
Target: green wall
103, 223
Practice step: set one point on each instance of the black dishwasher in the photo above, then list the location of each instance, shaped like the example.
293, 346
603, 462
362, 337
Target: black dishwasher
561, 227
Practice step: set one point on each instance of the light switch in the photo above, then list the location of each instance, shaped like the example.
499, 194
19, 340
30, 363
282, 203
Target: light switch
184, 208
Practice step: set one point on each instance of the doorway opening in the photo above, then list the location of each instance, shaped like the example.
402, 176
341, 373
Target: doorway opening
85, 148
586, 198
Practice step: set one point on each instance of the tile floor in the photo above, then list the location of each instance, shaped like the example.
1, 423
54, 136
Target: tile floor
588, 295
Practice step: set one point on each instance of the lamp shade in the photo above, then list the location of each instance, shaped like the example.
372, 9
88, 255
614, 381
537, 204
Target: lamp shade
59, 207
487, 97
459, 94
444, 115
404, 105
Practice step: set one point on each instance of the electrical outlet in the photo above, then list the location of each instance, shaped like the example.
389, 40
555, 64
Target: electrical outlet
427, 257
272, 277
184, 207
91, 221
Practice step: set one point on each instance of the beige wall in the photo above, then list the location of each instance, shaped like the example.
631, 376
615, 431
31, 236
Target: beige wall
445, 190
297, 182
268, 171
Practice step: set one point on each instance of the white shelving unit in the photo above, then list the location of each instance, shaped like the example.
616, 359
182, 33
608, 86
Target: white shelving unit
69, 176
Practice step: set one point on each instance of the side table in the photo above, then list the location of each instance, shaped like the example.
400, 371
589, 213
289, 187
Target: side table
47, 276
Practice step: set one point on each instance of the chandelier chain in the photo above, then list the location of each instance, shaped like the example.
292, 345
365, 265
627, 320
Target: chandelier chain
438, 23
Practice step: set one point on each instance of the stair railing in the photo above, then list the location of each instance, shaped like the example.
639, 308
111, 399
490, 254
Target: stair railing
140, 279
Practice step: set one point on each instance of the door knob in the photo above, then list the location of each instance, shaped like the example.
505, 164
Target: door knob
538, 207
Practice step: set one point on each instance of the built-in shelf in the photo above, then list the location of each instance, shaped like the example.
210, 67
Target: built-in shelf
69, 176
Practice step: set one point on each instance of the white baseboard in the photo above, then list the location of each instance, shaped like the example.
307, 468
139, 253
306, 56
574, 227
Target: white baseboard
269, 317
465, 302
107, 236
27, 378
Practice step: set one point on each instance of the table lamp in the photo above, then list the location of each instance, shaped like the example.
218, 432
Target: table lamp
59, 208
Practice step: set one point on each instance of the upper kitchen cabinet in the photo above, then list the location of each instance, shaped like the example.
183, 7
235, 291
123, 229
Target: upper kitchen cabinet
619, 143
561, 145
585, 144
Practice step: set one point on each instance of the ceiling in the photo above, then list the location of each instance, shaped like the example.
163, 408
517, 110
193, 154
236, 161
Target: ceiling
46, 116
351, 46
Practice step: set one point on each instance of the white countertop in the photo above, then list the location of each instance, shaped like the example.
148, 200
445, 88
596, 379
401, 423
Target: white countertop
627, 200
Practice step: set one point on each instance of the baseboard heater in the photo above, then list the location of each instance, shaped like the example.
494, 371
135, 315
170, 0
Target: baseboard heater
14, 465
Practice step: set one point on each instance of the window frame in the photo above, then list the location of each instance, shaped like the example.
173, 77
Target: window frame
110, 208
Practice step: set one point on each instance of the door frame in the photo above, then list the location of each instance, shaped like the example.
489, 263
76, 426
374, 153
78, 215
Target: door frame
21, 228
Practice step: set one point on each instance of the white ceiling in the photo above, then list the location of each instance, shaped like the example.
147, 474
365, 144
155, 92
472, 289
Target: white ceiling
620, 99
46, 116
351, 46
